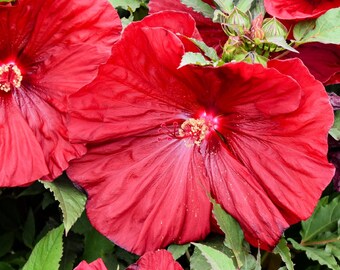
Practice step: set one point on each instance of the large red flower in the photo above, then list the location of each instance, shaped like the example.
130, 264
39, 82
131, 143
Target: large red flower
160, 260
164, 138
299, 9
211, 32
48, 50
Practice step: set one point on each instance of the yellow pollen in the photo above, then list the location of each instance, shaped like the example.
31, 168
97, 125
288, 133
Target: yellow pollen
194, 131
10, 76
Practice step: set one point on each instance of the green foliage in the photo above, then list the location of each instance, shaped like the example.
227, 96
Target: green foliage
71, 201
28, 234
201, 7
335, 130
323, 225
244, 5
178, 250
47, 253
208, 51
325, 29
190, 58
130, 9
225, 5
215, 258
283, 250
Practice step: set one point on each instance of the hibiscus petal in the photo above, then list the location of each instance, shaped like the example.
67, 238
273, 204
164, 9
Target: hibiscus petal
322, 60
151, 87
95, 265
212, 33
150, 192
299, 9
241, 195
22, 160
289, 159
92, 22
49, 128
160, 260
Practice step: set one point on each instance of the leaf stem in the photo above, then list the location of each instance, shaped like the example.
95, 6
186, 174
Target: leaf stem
324, 242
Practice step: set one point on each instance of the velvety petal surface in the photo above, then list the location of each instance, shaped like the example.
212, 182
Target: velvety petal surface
160, 260
21, 160
286, 153
151, 87
145, 192
95, 265
211, 33
299, 9
322, 60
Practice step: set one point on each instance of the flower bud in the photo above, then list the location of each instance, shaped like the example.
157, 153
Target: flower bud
237, 23
273, 28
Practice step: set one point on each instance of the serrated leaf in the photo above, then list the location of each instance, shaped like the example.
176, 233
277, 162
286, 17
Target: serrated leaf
28, 233
335, 130
199, 6
334, 248
216, 259
48, 252
190, 58
319, 255
225, 5
71, 200
326, 29
233, 233
198, 261
131, 5
283, 250
96, 246
324, 219
250, 263
244, 5
208, 51
280, 41
178, 250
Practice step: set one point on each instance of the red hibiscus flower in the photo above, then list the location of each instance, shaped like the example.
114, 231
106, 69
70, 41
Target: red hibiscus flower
211, 32
160, 260
48, 50
163, 139
299, 9
95, 265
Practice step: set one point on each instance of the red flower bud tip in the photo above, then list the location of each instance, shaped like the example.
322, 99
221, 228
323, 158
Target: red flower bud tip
10, 76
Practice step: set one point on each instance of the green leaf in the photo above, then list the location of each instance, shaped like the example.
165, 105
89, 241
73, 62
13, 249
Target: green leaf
178, 250
200, 6
28, 233
208, 51
216, 259
316, 254
326, 29
5, 266
198, 261
131, 5
257, 8
233, 233
244, 5
335, 130
190, 58
71, 200
280, 41
334, 249
324, 219
48, 252
225, 5
284, 252
6, 240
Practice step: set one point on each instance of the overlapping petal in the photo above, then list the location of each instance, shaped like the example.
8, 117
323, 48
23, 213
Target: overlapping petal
150, 191
160, 260
58, 47
95, 265
299, 9
267, 136
212, 33
322, 60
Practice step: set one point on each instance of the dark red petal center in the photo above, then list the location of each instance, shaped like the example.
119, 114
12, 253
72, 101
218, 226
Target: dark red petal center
10, 76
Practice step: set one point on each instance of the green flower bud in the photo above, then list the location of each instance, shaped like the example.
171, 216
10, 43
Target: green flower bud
237, 23
273, 28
